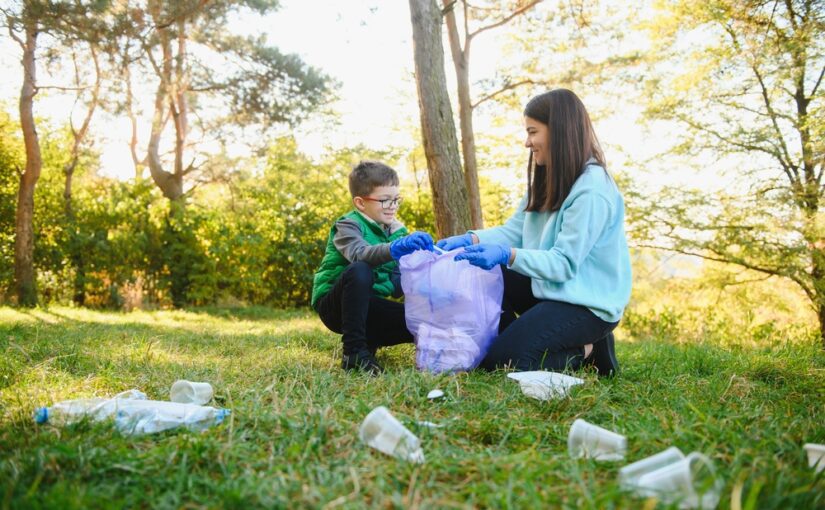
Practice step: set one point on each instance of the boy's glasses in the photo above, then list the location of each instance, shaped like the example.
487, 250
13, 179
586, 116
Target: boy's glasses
386, 203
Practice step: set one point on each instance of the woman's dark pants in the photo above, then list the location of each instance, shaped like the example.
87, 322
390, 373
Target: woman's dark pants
539, 334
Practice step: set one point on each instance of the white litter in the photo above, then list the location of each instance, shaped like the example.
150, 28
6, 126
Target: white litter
382, 431
816, 456
671, 478
434, 394
543, 385
133, 413
593, 442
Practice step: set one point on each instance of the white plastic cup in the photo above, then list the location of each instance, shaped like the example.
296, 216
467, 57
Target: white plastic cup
382, 431
188, 392
691, 482
816, 456
629, 475
591, 441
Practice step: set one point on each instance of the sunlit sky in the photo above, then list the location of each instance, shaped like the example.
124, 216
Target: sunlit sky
367, 46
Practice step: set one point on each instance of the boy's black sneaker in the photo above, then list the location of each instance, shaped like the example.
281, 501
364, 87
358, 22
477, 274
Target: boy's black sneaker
603, 356
362, 360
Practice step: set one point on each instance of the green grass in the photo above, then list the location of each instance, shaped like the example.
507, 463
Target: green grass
292, 440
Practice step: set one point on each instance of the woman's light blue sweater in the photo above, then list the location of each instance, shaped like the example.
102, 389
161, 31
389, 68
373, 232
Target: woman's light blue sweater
577, 254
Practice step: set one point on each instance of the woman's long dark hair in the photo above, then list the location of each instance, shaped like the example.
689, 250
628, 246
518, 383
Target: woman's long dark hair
572, 142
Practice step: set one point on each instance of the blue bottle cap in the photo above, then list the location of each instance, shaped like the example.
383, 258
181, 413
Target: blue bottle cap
221, 415
41, 415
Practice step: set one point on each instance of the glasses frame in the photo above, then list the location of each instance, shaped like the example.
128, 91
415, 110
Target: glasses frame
386, 203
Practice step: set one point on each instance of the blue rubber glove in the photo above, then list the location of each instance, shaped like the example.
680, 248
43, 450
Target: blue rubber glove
485, 256
451, 243
408, 244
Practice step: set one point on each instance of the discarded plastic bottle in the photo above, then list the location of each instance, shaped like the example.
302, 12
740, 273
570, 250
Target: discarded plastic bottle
133, 415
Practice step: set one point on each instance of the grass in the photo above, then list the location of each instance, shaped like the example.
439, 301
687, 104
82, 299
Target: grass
292, 440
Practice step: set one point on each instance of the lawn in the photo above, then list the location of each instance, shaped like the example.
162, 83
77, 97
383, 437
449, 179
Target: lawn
291, 440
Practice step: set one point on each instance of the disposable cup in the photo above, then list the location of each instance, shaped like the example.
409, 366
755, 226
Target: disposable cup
629, 475
591, 441
188, 392
690, 482
382, 431
816, 456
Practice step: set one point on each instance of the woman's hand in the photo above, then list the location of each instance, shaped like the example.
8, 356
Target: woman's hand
451, 243
486, 256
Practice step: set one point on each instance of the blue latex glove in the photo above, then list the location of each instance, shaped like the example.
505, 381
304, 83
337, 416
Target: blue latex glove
408, 244
485, 256
451, 243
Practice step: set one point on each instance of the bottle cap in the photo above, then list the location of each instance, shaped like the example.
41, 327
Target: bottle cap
41, 415
221, 415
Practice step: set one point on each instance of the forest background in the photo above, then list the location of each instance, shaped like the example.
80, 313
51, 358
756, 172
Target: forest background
187, 160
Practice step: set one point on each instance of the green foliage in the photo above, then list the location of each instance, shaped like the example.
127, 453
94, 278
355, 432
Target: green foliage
12, 161
496, 202
687, 300
264, 245
257, 239
292, 441
742, 80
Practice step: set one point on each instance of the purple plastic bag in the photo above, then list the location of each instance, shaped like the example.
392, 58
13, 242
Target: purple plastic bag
451, 308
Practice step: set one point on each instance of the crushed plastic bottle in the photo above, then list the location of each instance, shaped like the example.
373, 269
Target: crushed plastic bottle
133, 413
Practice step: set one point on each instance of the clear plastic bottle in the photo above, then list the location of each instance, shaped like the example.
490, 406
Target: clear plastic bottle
133, 415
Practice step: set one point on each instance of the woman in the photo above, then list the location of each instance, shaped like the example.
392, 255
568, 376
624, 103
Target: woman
567, 267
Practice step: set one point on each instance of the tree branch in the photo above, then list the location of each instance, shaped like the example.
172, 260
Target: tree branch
13, 35
509, 86
60, 87
787, 166
772, 114
720, 258
517, 12
818, 82
170, 22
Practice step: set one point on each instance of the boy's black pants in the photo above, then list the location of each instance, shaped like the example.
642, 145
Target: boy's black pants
362, 318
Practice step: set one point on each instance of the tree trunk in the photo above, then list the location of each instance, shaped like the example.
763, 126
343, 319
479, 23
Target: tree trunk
170, 184
437, 127
822, 324
133, 141
461, 62
76, 248
817, 295
24, 272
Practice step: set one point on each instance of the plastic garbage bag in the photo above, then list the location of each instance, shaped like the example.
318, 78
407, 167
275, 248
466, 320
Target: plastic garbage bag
133, 413
451, 308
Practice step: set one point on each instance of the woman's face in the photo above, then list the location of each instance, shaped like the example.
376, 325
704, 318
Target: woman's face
538, 139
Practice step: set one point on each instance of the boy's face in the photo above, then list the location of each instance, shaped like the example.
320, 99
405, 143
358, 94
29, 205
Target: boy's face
372, 206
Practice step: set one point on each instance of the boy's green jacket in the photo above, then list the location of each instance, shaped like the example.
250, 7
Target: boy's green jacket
333, 263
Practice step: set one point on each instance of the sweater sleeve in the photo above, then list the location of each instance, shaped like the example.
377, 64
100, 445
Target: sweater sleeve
510, 233
349, 240
581, 227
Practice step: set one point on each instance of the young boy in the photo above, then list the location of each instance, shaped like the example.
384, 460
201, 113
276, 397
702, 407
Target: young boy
360, 268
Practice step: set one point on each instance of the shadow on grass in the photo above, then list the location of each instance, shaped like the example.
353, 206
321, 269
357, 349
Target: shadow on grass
251, 313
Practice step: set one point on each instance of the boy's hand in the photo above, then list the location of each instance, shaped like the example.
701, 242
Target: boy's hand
485, 256
408, 244
451, 243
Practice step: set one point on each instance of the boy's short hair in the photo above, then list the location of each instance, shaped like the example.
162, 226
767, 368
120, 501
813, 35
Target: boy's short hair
368, 175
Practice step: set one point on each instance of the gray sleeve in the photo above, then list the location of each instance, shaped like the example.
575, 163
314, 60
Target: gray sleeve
350, 242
